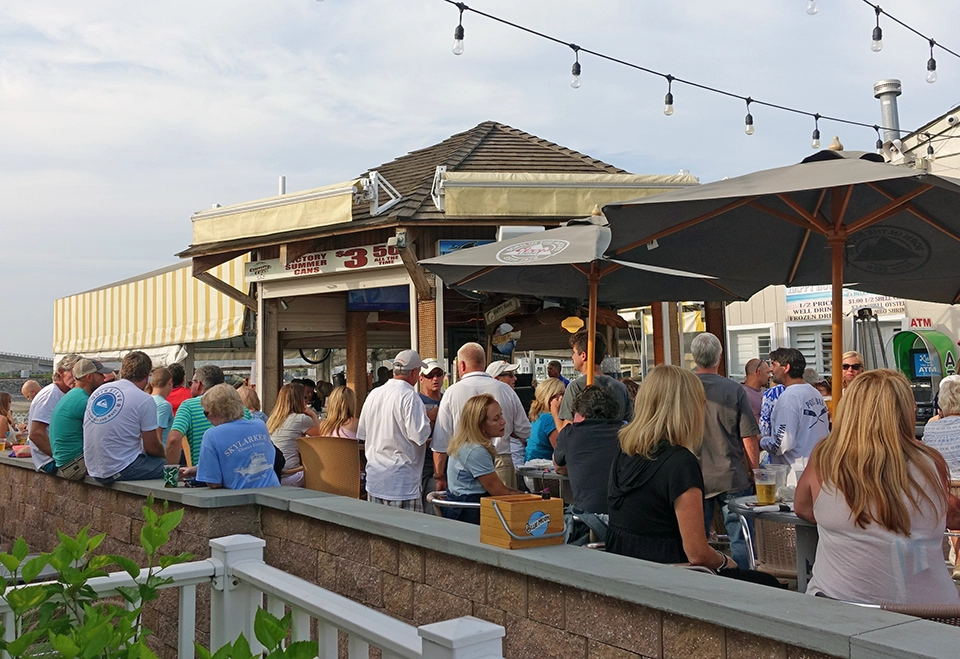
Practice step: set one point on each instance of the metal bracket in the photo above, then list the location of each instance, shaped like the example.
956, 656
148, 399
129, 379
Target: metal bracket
436, 190
370, 189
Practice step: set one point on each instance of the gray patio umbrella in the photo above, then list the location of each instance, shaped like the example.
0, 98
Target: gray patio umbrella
895, 230
568, 262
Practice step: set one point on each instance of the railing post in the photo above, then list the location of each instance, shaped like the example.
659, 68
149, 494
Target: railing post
462, 638
233, 604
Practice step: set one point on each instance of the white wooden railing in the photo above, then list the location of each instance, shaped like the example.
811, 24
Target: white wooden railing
240, 581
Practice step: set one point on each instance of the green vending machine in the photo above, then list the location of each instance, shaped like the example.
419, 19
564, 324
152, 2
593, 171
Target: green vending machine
925, 357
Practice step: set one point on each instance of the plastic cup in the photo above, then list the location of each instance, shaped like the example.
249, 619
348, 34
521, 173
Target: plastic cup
768, 479
171, 474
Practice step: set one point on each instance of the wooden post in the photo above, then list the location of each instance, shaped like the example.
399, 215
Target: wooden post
357, 354
269, 353
837, 243
713, 319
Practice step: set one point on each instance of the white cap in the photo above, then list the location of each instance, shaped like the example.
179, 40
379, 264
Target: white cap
407, 360
430, 365
496, 369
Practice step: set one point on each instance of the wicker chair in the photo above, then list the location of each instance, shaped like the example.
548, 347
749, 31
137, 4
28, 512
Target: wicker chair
948, 614
776, 548
331, 464
439, 500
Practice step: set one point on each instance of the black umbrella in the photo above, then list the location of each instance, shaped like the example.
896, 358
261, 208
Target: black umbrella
895, 230
568, 262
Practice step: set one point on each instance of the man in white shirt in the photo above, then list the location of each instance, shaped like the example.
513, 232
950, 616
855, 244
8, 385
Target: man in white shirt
120, 437
394, 425
474, 380
799, 419
41, 411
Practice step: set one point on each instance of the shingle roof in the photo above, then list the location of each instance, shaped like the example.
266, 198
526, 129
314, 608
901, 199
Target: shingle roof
490, 147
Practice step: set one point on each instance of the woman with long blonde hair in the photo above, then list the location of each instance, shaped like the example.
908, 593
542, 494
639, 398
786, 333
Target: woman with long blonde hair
545, 415
655, 491
470, 465
879, 498
342, 417
289, 421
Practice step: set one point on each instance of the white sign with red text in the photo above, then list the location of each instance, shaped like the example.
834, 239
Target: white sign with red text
326, 262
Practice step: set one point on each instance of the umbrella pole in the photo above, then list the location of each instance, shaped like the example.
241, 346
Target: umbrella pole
837, 244
594, 280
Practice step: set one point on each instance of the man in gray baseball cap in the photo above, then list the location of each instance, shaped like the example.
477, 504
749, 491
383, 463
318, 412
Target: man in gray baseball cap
394, 425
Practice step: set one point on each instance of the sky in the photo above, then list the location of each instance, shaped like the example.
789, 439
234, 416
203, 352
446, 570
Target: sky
120, 119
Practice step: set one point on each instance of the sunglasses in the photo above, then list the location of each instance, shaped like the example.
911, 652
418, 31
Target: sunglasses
432, 376
856, 367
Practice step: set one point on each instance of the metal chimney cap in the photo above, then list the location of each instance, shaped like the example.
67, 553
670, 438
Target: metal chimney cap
891, 86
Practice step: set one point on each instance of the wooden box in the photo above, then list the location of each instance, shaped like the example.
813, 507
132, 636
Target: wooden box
535, 520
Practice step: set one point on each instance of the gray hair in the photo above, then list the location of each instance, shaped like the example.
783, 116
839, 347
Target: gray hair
949, 397
810, 375
67, 362
706, 350
223, 400
209, 375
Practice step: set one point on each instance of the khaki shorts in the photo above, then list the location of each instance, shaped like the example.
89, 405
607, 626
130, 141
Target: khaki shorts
503, 464
75, 470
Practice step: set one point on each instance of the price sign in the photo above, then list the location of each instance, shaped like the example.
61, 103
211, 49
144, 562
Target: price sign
326, 262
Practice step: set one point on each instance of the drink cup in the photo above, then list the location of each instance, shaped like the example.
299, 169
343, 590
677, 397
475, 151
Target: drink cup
171, 474
768, 480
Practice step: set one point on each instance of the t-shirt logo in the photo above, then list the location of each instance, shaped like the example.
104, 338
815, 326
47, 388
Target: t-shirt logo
106, 405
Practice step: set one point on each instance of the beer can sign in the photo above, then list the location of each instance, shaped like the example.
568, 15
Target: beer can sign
538, 523
171, 474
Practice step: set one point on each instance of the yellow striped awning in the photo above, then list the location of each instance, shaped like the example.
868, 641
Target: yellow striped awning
164, 307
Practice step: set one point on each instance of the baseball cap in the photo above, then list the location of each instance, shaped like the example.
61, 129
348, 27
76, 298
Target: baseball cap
496, 369
430, 365
407, 360
85, 367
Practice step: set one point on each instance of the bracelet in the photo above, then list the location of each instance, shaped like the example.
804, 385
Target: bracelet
723, 563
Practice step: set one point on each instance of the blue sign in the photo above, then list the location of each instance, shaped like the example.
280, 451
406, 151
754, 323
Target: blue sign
538, 523
924, 366
449, 246
106, 404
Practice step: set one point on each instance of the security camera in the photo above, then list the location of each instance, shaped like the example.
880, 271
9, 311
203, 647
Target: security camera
953, 120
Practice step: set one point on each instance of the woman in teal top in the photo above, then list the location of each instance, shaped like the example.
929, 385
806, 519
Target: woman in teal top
470, 469
544, 412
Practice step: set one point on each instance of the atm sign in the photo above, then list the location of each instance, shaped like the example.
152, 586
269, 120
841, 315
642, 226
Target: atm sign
921, 323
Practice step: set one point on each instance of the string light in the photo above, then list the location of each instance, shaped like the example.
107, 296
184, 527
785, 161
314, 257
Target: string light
668, 99
748, 120
575, 70
815, 141
879, 139
812, 7
931, 156
877, 44
932, 65
458, 32
878, 11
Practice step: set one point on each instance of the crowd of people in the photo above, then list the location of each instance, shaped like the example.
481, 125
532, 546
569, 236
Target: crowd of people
654, 463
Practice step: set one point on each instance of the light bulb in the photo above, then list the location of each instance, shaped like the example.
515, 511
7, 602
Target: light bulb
812, 7
575, 82
668, 104
458, 40
877, 44
748, 124
931, 156
815, 142
931, 70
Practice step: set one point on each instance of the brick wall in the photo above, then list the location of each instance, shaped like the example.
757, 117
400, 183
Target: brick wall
412, 583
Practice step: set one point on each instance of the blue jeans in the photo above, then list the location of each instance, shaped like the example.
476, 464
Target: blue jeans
144, 468
738, 545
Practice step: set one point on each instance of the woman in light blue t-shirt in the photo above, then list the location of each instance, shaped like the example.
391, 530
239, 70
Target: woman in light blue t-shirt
470, 469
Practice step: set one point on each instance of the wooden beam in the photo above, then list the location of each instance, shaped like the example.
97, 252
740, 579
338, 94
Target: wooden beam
916, 212
290, 252
796, 261
208, 262
420, 283
803, 223
227, 289
883, 213
821, 226
839, 201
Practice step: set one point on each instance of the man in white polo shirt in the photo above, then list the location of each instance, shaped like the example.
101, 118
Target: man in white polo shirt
120, 437
395, 428
41, 412
474, 380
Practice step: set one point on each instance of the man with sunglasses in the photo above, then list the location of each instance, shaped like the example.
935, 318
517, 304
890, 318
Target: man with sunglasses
431, 383
852, 365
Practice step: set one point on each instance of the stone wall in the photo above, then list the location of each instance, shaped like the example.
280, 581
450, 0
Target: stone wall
553, 601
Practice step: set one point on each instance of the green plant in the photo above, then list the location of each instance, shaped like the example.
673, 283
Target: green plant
67, 616
271, 632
